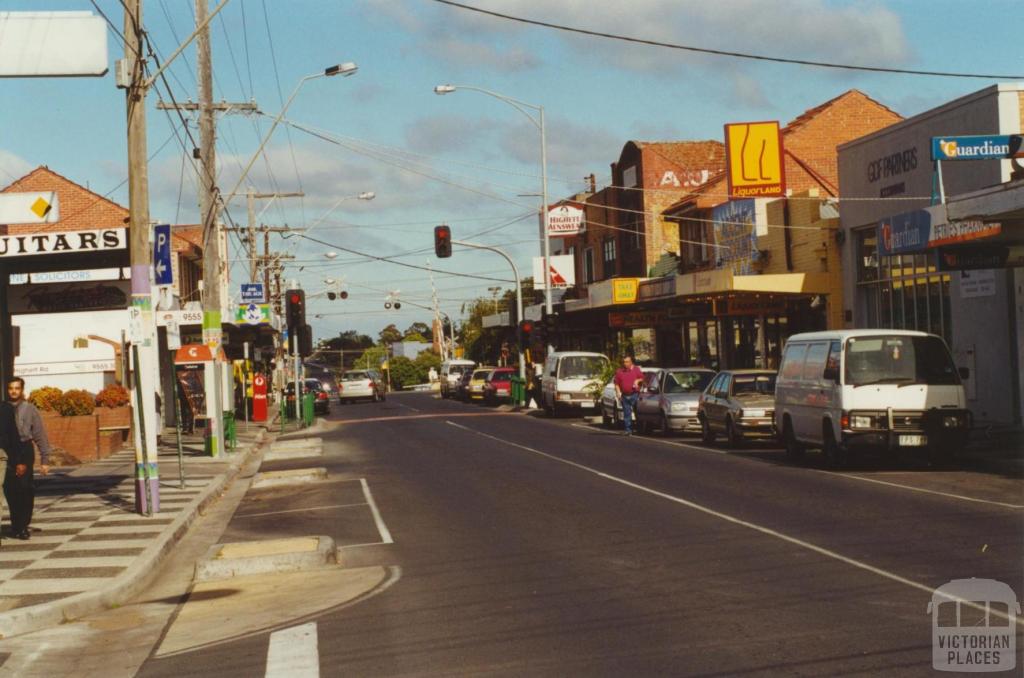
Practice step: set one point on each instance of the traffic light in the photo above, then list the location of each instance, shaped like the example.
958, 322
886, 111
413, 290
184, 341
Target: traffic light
443, 241
295, 308
305, 340
525, 330
550, 323
335, 291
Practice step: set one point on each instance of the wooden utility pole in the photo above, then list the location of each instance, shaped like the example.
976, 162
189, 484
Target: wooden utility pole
147, 480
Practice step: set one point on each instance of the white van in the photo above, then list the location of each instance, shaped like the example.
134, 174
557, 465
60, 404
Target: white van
567, 380
884, 389
451, 371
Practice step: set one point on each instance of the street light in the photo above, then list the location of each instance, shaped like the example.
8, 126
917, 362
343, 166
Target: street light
538, 122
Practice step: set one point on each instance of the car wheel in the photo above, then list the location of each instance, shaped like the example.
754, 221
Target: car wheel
706, 434
734, 434
616, 417
606, 421
794, 450
835, 456
665, 429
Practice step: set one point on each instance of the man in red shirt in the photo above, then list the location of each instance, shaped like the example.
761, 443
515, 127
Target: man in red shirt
627, 388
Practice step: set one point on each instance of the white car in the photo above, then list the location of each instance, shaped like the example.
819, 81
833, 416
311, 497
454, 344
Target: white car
611, 408
360, 385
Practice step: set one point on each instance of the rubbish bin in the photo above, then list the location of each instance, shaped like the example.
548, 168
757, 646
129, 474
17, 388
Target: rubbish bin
518, 390
307, 409
230, 431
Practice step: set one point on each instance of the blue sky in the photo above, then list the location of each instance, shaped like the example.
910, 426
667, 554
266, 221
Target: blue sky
465, 158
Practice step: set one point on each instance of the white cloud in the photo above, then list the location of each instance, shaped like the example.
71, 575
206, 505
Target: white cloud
12, 167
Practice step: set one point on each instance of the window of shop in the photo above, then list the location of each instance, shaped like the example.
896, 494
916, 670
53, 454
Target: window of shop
902, 291
588, 265
694, 244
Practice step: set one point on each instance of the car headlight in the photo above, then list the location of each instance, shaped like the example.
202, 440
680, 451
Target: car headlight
751, 413
565, 396
679, 407
861, 421
952, 421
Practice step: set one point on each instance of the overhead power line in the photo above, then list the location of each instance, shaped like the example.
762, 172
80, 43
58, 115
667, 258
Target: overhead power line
725, 53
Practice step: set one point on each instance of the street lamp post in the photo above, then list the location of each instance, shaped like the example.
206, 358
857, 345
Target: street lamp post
538, 122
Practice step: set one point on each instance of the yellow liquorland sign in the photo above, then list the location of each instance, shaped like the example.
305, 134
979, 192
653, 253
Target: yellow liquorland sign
754, 158
624, 290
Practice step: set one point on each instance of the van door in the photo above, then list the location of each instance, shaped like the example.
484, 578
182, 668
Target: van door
830, 380
813, 393
549, 381
788, 386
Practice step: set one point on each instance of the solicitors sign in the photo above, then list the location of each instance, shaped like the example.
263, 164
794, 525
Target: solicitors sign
927, 228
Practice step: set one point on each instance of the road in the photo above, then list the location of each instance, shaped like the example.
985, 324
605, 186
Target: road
517, 545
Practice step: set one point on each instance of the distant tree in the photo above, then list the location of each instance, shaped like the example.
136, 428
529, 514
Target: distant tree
346, 345
389, 335
404, 372
419, 328
415, 337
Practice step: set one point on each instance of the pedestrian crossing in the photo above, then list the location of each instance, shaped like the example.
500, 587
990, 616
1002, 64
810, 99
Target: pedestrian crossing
85, 530
294, 653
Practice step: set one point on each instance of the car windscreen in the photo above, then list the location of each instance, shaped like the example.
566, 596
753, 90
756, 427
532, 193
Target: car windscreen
753, 384
500, 375
455, 370
896, 359
687, 382
481, 374
355, 376
581, 366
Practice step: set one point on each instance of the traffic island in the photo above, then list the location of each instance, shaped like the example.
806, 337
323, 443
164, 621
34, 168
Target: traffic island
295, 449
225, 561
268, 479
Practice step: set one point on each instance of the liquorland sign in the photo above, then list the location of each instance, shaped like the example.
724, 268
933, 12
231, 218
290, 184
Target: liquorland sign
58, 242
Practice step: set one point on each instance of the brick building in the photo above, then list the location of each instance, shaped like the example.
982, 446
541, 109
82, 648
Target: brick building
749, 272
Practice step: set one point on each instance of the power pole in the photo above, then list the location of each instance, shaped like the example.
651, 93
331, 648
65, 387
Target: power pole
147, 479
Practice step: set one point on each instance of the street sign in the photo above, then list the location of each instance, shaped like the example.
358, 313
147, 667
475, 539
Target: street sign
41, 207
253, 293
978, 147
37, 44
163, 274
253, 314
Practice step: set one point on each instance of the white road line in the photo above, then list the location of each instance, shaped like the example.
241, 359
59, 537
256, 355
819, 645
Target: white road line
950, 495
409, 407
921, 489
385, 535
298, 510
736, 521
294, 653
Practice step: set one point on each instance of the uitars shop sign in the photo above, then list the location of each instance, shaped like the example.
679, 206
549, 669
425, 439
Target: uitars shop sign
63, 242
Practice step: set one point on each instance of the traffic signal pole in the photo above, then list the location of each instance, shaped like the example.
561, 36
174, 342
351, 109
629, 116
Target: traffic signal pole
519, 293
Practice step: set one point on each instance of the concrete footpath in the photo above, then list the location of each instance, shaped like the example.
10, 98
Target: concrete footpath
89, 550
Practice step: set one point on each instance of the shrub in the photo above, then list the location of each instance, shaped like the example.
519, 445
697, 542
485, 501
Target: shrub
46, 398
112, 395
76, 402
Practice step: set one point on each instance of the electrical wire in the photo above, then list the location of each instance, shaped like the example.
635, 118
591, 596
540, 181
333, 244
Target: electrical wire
725, 53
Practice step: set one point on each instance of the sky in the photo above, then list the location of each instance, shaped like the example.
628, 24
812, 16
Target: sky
467, 159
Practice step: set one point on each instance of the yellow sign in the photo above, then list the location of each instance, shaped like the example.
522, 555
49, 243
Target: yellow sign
754, 156
624, 290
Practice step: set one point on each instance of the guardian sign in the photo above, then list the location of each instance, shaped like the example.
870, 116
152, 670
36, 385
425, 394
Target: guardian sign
978, 147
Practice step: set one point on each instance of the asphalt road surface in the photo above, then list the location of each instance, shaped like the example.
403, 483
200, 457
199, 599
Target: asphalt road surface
522, 546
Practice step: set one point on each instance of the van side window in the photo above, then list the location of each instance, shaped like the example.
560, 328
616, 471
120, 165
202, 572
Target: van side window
814, 363
793, 362
552, 364
834, 352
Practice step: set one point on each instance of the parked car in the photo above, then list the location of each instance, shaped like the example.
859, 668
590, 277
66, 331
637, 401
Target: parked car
327, 378
360, 385
321, 399
462, 386
568, 377
888, 390
499, 385
611, 408
739, 404
670, 399
475, 388
451, 372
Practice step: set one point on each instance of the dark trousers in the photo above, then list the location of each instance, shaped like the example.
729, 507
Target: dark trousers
20, 494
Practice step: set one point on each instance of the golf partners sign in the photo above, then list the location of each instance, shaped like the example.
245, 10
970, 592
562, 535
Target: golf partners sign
974, 626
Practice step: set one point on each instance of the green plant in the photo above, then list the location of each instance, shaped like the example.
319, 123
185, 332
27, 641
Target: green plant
46, 398
76, 402
594, 388
403, 372
112, 395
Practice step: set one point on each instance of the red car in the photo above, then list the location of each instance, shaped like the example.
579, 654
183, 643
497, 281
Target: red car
498, 386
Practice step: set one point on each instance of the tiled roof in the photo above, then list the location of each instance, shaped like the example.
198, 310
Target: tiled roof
186, 236
812, 113
80, 208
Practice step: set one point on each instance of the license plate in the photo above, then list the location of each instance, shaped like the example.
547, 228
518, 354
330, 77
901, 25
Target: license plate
586, 404
913, 441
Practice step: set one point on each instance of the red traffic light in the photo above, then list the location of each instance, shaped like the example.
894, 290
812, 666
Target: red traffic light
526, 326
443, 241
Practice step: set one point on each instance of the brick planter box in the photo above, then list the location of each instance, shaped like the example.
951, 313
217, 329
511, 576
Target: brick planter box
114, 416
78, 438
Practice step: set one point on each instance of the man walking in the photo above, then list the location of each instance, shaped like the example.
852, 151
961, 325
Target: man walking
19, 485
627, 389
9, 441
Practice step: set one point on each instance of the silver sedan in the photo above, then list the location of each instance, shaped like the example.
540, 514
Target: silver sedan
669, 399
